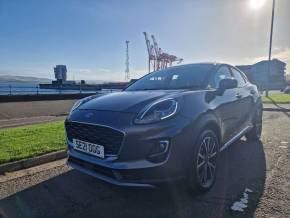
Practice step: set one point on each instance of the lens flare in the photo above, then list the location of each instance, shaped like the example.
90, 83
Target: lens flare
256, 4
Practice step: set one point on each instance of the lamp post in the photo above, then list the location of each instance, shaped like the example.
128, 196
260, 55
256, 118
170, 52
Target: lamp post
270, 47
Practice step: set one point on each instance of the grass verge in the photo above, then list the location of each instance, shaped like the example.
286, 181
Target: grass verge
32, 140
277, 98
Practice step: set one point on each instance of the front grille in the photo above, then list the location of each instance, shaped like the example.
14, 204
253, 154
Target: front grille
110, 138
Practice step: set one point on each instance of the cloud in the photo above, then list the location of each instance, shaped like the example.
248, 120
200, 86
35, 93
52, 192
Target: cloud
89, 71
281, 54
94, 74
73, 73
104, 74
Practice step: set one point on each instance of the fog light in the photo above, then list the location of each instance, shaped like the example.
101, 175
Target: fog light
159, 151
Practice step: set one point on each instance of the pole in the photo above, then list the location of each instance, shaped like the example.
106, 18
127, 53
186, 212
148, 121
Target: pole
149, 64
270, 47
127, 70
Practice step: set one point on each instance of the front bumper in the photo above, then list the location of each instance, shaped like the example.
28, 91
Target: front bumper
104, 174
131, 167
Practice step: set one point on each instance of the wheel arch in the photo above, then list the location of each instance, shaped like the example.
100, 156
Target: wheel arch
214, 127
207, 121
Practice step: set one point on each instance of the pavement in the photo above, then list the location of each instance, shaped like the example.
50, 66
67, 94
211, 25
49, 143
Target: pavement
14, 114
276, 106
256, 173
16, 110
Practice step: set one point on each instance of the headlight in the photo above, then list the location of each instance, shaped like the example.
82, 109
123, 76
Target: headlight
76, 105
157, 111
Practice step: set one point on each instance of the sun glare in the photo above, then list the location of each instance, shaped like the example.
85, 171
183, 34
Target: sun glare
256, 4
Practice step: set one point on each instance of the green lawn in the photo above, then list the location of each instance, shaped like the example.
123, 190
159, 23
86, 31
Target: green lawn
28, 141
277, 98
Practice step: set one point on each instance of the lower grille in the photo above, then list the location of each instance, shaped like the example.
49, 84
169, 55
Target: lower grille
110, 138
92, 167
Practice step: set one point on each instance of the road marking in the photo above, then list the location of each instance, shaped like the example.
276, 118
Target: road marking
243, 202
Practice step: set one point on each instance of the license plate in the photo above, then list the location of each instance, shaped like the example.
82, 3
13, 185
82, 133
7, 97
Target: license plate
89, 148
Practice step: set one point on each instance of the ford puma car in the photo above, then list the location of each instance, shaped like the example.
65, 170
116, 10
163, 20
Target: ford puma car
169, 125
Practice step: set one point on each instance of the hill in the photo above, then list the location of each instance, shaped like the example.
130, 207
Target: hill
22, 79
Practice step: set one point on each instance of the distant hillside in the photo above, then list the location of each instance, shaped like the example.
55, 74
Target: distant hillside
22, 79
37, 80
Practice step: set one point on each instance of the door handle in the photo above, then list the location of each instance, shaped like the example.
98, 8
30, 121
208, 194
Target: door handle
238, 95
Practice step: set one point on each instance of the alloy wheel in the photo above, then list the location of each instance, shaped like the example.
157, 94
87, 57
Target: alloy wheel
207, 161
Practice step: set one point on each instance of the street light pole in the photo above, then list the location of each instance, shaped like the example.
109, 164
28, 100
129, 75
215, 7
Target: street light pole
270, 48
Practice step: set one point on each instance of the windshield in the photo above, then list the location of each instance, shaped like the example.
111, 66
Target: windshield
184, 77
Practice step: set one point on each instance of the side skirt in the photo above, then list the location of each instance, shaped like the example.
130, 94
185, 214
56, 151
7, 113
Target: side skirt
239, 135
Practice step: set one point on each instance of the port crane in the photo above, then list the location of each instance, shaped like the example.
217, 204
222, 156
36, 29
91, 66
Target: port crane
156, 57
127, 71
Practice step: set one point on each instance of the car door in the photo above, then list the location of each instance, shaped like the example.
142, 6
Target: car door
224, 104
244, 100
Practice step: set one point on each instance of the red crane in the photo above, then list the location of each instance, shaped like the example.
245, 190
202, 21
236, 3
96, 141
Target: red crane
156, 57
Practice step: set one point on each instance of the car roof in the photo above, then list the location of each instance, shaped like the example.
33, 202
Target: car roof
199, 63
182, 66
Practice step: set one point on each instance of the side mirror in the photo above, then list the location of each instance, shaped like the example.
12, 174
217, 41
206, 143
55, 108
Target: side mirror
228, 83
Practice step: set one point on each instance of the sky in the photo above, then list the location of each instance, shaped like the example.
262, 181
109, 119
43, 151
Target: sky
89, 35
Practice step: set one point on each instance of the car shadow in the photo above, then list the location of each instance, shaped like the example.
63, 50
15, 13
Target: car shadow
74, 194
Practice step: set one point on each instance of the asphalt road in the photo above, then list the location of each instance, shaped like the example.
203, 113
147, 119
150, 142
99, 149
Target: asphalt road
54, 190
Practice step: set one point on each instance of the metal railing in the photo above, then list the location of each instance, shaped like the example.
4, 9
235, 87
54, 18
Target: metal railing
36, 90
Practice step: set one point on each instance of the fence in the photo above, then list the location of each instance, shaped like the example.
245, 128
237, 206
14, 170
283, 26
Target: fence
36, 90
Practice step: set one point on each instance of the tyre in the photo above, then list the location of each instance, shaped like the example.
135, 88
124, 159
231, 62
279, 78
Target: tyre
255, 133
203, 167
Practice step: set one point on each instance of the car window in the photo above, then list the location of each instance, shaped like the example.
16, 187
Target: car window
238, 77
222, 73
183, 77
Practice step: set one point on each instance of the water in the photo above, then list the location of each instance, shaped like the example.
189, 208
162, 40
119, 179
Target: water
33, 89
